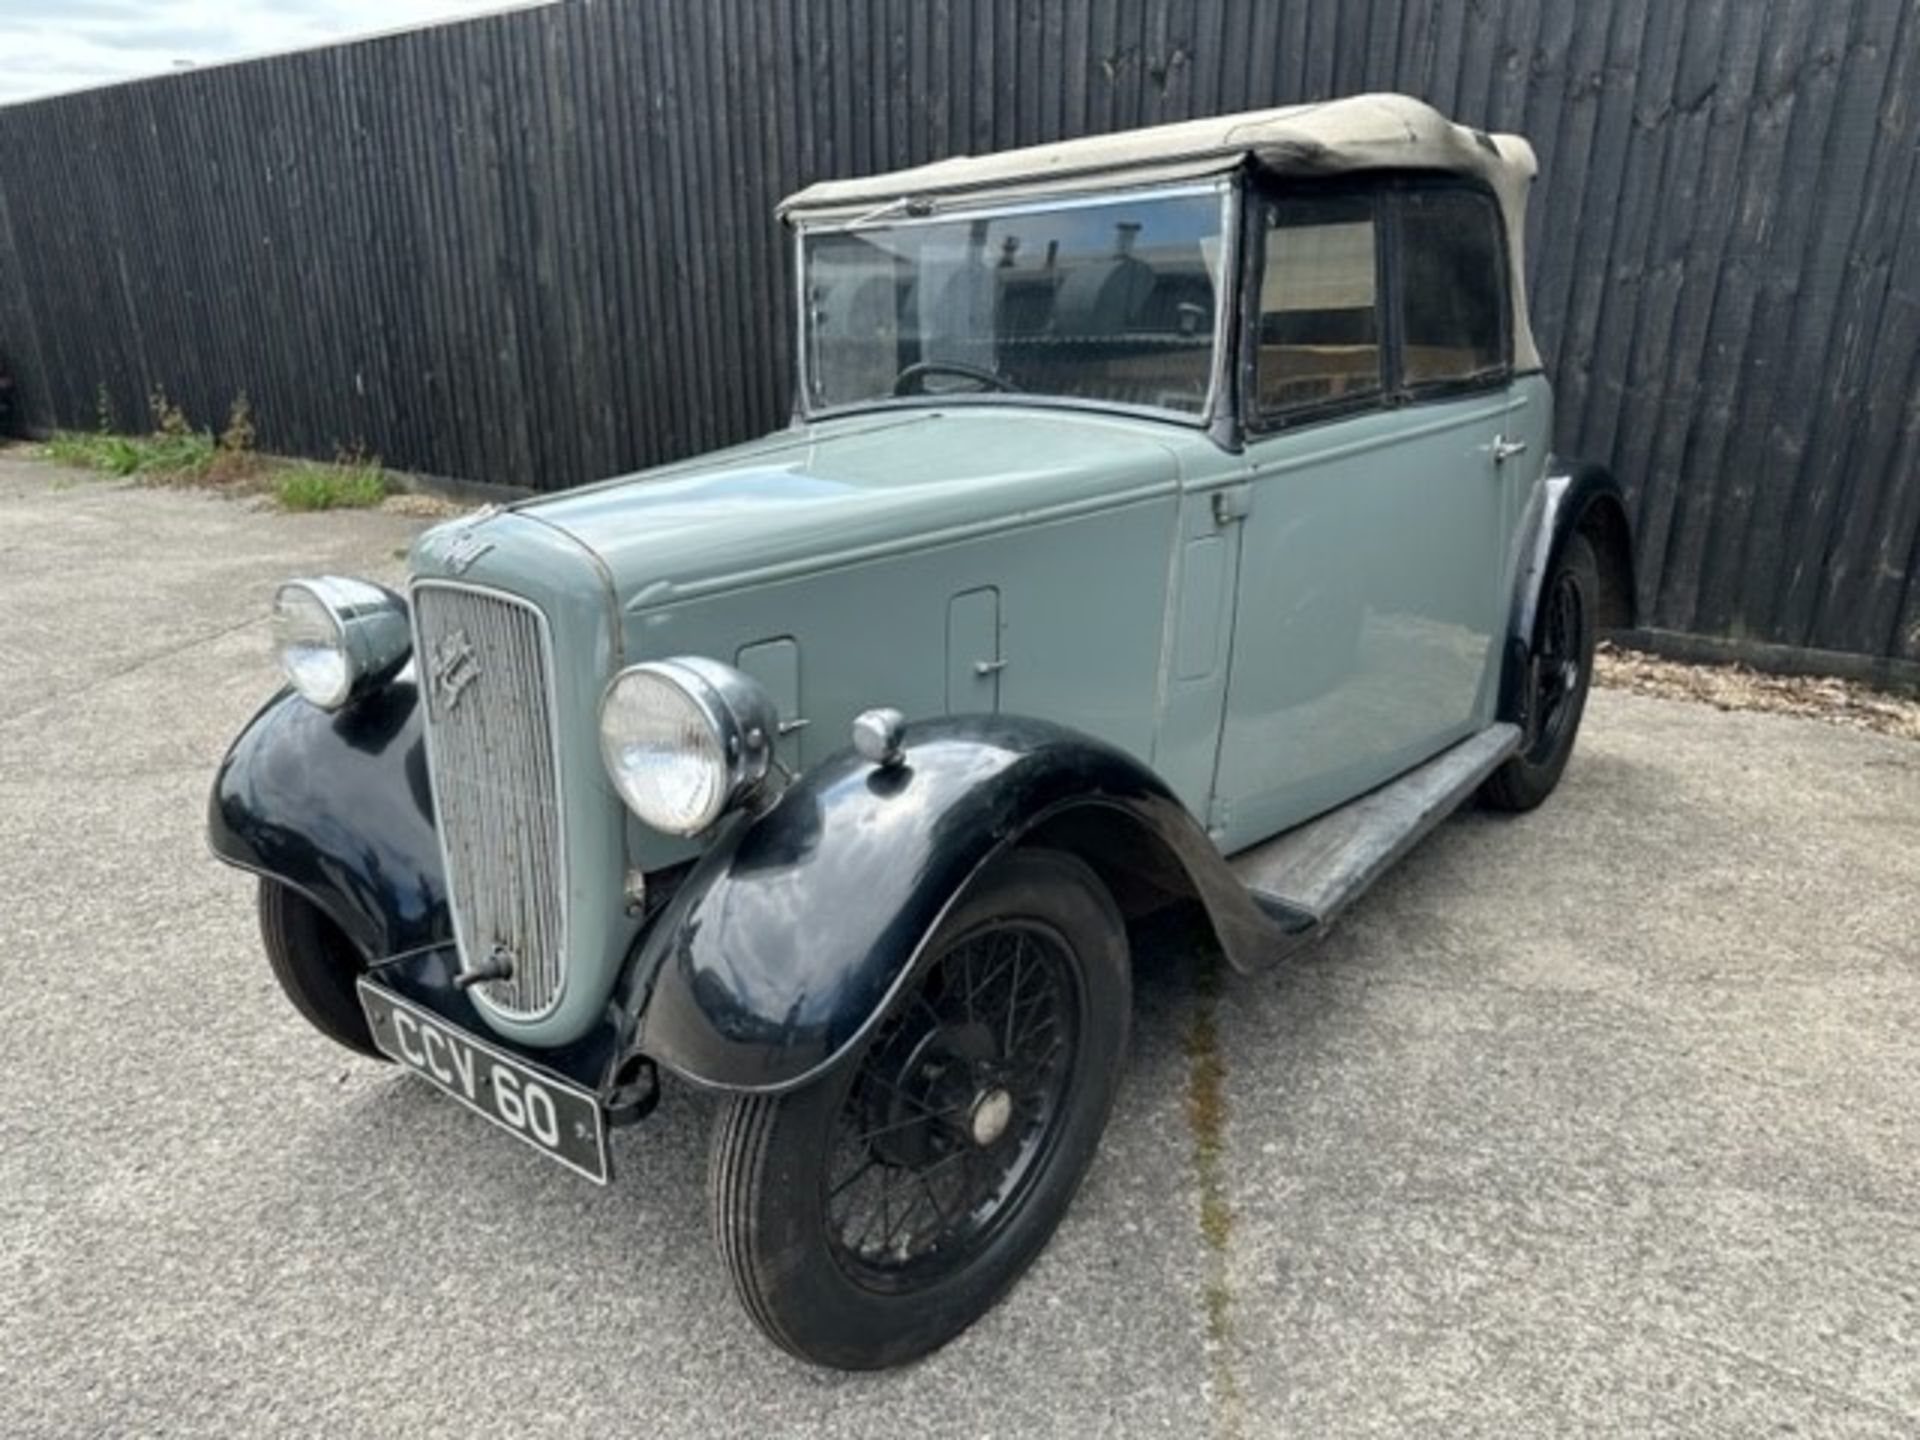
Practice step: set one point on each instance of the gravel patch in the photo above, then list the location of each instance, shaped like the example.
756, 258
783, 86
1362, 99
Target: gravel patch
1735, 687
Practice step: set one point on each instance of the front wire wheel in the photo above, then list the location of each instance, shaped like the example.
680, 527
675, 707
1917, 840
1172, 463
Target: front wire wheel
873, 1215
952, 1110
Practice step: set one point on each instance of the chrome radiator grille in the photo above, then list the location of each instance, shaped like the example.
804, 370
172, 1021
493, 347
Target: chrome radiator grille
484, 664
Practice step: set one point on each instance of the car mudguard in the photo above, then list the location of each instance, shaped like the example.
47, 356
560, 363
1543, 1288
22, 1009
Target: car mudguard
336, 804
1572, 496
790, 936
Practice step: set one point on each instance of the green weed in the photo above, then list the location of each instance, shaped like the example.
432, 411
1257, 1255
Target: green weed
72, 447
173, 451
309, 485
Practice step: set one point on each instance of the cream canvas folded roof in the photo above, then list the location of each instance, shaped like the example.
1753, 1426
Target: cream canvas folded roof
1361, 132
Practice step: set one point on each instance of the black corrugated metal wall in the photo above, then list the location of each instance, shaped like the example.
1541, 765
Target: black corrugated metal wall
539, 247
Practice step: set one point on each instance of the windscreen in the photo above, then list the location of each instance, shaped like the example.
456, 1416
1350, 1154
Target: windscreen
1110, 301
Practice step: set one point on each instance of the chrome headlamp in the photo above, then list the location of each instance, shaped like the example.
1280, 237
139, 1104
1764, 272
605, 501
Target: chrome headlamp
686, 740
337, 638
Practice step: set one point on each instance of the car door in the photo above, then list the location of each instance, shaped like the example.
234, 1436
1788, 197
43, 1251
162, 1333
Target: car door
1374, 519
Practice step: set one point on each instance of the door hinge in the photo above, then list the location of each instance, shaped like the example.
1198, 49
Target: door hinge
1234, 502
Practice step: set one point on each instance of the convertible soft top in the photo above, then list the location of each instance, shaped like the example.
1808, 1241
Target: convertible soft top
1361, 132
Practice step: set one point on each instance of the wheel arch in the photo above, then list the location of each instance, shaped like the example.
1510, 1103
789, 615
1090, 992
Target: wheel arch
1145, 873
1572, 498
793, 934
1603, 521
335, 805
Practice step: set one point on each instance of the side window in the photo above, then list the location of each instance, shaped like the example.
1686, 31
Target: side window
1319, 319
1453, 283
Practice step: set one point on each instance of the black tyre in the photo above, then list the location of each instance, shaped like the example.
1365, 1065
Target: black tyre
1563, 636
870, 1217
315, 964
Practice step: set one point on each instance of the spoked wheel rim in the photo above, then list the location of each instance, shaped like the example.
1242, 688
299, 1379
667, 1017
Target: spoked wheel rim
954, 1109
1560, 664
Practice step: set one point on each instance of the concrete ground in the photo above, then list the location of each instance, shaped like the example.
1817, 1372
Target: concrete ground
1604, 1120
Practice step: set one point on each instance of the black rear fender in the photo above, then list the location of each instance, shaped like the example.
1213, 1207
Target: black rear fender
1572, 498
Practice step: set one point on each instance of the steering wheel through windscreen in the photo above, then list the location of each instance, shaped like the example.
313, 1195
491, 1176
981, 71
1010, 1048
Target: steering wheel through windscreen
912, 380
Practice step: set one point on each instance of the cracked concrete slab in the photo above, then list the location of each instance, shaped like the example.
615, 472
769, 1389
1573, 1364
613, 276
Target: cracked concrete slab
1599, 1120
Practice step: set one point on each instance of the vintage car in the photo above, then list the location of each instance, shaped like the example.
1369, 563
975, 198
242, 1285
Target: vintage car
1165, 517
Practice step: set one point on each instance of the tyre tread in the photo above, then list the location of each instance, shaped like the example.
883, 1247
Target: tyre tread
776, 1269
1520, 784
738, 1157
289, 924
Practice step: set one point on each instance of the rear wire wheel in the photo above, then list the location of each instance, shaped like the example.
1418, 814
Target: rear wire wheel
316, 964
1561, 664
872, 1215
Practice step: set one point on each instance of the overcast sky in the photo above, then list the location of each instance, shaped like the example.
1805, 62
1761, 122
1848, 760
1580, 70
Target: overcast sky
47, 46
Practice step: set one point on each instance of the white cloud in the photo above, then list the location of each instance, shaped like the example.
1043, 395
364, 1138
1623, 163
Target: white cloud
49, 46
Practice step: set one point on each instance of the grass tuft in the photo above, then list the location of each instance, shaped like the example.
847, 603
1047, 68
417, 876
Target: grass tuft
161, 456
72, 447
174, 452
308, 485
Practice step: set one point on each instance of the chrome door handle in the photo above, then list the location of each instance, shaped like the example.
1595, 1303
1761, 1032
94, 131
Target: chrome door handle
1505, 449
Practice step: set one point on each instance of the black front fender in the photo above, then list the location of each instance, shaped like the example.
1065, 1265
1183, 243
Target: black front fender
792, 932
337, 805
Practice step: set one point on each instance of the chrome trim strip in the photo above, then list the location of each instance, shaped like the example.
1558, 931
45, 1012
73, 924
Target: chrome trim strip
1226, 299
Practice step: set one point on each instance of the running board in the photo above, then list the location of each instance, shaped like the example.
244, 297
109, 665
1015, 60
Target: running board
1305, 877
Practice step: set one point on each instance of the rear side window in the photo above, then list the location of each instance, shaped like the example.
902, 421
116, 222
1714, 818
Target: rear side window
1453, 287
1319, 318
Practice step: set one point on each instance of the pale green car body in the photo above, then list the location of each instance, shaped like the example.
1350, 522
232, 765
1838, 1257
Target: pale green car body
1272, 631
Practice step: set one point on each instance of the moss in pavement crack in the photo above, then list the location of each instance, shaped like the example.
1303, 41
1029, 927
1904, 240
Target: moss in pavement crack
1206, 1113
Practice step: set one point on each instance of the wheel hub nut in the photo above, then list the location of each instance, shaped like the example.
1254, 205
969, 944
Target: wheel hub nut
992, 1112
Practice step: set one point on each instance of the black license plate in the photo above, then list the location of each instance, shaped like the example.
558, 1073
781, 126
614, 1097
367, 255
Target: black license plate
552, 1115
